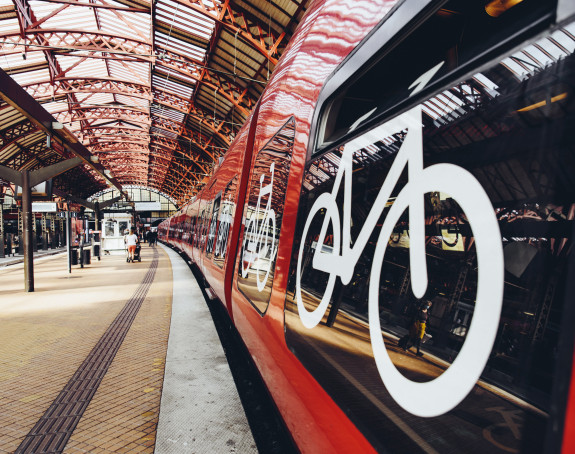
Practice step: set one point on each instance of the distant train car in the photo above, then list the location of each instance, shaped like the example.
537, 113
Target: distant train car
407, 179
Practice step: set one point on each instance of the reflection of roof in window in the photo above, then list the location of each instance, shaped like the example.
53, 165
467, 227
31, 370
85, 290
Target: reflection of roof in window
559, 44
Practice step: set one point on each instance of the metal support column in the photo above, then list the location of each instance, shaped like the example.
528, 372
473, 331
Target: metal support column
97, 215
27, 233
64, 231
20, 250
53, 235
68, 251
44, 232
34, 235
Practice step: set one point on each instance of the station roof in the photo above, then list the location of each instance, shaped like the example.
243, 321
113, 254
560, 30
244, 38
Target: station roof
156, 90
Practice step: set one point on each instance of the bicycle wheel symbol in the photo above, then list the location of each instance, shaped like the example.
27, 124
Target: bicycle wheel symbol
442, 394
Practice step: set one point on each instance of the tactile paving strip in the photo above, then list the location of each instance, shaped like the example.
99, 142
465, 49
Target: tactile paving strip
53, 430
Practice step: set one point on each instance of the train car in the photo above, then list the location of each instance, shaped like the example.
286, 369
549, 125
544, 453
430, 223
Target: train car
391, 231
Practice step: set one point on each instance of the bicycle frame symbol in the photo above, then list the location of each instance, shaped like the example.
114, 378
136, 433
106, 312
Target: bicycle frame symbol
450, 388
259, 243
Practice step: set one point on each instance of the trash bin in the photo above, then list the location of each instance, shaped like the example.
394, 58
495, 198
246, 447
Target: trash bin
74, 256
86, 256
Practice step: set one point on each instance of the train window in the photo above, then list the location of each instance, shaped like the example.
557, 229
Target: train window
198, 227
428, 291
263, 216
206, 225
109, 228
455, 36
193, 219
201, 222
225, 221
213, 225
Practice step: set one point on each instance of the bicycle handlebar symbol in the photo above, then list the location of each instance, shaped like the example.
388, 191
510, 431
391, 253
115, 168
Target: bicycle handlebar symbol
450, 388
259, 243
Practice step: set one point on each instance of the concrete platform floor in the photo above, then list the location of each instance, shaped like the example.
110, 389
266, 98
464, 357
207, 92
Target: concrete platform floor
82, 361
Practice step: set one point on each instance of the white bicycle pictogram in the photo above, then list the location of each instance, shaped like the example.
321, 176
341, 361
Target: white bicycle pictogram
259, 242
440, 395
224, 229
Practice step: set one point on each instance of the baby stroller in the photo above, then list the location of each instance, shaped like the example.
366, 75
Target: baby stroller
137, 255
137, 252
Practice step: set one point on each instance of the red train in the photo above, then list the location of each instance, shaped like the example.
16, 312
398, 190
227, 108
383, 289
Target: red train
407, 178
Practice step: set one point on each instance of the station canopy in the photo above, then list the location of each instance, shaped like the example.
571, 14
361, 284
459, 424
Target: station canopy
155, 90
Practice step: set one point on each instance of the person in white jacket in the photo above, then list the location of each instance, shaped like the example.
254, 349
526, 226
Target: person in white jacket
131, 241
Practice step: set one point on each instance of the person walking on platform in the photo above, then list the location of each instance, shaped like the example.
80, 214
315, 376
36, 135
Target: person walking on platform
417, 329
131, 242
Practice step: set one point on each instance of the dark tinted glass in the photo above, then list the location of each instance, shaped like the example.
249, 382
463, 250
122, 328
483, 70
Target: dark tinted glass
225, 221
263, 217
461, 33
213, 226
476, 185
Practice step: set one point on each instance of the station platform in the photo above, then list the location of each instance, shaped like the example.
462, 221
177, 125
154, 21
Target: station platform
115, 357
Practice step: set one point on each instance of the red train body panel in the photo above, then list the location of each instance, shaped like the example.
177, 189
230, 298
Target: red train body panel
322, 124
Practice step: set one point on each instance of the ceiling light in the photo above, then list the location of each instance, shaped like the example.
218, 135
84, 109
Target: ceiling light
496, 8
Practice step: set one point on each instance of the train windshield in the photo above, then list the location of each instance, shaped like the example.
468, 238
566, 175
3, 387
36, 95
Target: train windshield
430, 283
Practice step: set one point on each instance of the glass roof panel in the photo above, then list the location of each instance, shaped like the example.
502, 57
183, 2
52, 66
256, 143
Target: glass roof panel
178, 16
53, 107
165, 84
14, 61
10, 26
132, 101
71, 18
135, 71
32, 77
91, 67
172, 44
135, 25
163, 132
95, 98
176, 77
168, 113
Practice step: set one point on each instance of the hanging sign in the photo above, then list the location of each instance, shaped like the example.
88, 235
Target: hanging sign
44, 207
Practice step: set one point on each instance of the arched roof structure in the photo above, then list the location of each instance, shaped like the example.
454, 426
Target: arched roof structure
156, 90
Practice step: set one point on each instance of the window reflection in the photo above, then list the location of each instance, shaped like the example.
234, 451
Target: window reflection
109, 228
225, 222
213, 226
263, 217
